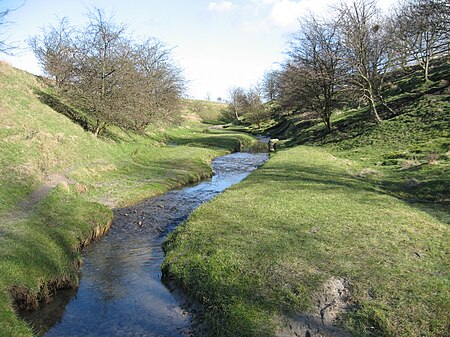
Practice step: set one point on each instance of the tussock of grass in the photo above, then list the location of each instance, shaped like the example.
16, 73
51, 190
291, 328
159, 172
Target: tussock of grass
304, 217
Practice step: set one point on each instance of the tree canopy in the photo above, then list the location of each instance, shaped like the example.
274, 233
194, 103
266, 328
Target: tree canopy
115, 79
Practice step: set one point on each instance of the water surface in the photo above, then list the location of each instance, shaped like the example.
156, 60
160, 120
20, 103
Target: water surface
121, 293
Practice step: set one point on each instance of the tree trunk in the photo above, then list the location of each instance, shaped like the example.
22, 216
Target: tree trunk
99, 127
328, 124
427, 69
373, 107
326, 119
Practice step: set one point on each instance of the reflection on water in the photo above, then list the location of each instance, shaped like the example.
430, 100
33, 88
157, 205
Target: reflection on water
121, 293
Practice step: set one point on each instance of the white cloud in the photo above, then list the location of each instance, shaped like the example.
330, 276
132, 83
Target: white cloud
285, 13
264, 2
222, 6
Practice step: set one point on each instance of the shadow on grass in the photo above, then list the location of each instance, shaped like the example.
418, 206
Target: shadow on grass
430, 196
296, 176
56, 104
407, 94
224, 142
75, 116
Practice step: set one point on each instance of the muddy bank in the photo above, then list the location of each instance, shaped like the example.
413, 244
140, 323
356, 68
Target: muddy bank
121, 293
331, 301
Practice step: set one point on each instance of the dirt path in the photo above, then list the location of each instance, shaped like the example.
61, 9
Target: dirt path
39, 194
25, 208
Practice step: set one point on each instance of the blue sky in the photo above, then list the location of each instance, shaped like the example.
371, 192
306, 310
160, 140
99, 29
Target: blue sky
219, 44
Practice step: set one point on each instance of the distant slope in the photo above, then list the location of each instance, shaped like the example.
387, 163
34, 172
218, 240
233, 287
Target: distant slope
204, 111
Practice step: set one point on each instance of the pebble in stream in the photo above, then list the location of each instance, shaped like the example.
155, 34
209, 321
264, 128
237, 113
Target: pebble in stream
121, 293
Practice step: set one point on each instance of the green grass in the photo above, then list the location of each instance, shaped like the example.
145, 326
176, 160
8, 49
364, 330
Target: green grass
201, 110
39, 248
37, 141
263, 247
368, 203
211, 138
42, 252
409, 150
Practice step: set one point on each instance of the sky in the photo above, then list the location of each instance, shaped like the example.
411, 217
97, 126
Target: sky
219, 44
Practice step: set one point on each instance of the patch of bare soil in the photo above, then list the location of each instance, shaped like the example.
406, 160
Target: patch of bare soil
332, 301
24, 209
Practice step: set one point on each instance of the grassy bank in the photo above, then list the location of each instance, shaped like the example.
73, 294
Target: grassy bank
263, 249
41, 252
365, 207
42, 228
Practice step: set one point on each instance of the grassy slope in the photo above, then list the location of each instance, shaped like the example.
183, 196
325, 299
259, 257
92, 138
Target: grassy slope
205, 111
264, 247
41, 246
411, 148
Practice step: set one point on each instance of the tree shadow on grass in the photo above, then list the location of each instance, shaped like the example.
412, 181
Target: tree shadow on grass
296, 177
291, 173
75, 116
224, 142
56, 104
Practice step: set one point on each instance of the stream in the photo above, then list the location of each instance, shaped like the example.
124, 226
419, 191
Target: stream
120, 292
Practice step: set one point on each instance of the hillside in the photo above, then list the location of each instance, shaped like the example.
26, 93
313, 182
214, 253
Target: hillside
341, 233
205, 111
58, 184
411, 145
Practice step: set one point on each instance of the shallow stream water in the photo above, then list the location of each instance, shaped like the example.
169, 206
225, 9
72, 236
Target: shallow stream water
121, 293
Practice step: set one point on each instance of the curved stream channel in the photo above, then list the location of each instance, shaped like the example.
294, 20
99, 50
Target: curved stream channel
121, 293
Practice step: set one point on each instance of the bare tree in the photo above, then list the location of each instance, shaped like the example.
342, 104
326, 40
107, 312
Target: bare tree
367, 46
290, 80
422, 31
236, 101
6, 47
316, 59
3, 44
109, 76
158, 84
96, 84
270, 85
253, 108
54, 49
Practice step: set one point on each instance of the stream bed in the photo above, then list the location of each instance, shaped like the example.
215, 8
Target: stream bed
120, 292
